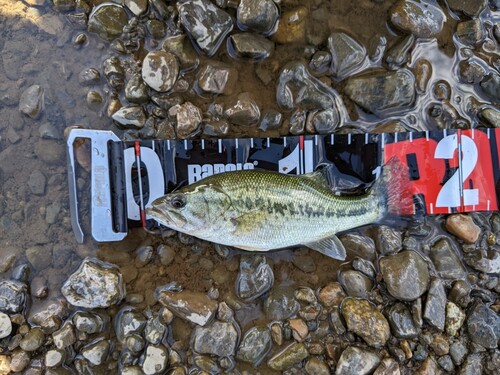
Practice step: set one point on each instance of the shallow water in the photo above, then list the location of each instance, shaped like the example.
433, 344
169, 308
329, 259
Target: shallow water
38, 47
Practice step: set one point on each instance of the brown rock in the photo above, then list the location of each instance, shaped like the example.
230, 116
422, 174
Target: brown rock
299, 329
292, 26
429, 367
366, 321
331, 295
463, 227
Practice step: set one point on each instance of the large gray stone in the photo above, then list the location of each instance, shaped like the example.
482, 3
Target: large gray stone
420, 18
218, 338
207, 24
12, 296
379, 92
435, 305
347, 54
107, 21
95, 284
255, 277
405, 274
357, 361
483, 326
193, 306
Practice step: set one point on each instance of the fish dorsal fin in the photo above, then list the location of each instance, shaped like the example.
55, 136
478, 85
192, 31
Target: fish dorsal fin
331, 247
319, 177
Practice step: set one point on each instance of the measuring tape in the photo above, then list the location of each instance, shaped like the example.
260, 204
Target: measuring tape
449, 171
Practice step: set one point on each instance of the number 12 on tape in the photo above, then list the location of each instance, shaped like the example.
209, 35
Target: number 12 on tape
450, 172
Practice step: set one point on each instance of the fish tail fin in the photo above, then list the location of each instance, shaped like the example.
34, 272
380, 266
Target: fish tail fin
393, 191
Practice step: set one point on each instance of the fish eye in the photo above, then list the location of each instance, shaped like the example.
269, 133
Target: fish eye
178, 201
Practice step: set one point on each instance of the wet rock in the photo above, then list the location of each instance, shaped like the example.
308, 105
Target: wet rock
95, 284
429, 367
37, 182
107, 21
483, 326
315, 366
331, 295
130, 116
114, 73
96, 352
88, 322
491, 116
455, 318
484, 261
206, 364
299, 329
181, 47
5, 325
458, 351
160, 70
94, 100
357, 361
401, 321
311, 93
472, 366
245, 112
388, 366
365, 321
292, 26
12, 296
324, 122
155, 330
388, 240
54, 358
128, 321
346, 53
217, 78
32, 101
188, 119
463, 227
136, 90
218, 338
155, 360
33, 340
292, 355
63, 5
320, 62
65, 336
490, 84
446, 261
467, 7
440, 345
192, 306
398, 54
251, 46
255, 277
435, 305
255, 345
18, 362
206, 24
281, 303
166, 254
422, 19
470, 32
379, 92
358, 245
446, 363
405, 274
88, 77
355, 283
470, 71
156, 28
138, 7
271, 120
257, 15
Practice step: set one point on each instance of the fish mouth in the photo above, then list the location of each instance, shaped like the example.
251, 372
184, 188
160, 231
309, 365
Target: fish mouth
159, 215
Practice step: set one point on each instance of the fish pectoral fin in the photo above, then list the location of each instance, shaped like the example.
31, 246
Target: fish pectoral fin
331, 247
247, 222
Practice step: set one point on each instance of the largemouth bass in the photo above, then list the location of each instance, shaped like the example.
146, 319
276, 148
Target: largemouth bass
260, 210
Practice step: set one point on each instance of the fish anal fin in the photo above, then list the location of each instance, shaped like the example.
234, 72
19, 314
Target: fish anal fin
330, 246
